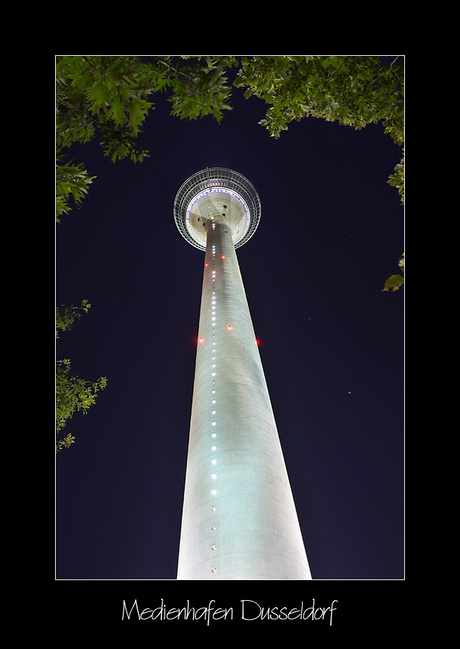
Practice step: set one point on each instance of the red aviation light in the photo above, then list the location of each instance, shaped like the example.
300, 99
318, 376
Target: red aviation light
201, 339
256, 341
229, 327
206, 265
223, 256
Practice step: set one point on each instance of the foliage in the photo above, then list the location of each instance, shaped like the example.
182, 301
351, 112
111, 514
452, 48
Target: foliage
352, 90
394, 282
70, 180
72, 392
107, 95
65, 442
397, 179
200, 89
66, 315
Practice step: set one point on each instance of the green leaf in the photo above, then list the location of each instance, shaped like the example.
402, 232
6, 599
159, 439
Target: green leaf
393, 283
117, 110
99, 95
137, 109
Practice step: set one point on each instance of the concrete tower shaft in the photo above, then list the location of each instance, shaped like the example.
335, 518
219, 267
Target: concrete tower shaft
239, 519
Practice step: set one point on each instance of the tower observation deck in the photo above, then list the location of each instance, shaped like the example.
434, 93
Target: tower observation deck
239, 519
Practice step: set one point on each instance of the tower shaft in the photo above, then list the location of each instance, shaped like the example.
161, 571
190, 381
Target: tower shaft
239, 519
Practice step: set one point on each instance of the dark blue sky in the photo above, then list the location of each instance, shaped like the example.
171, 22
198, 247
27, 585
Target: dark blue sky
331, 341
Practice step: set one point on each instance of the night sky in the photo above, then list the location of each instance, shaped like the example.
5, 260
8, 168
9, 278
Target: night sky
331, 341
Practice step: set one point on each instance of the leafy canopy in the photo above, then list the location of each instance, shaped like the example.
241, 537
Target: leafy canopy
106, 94
352, 90
110, 96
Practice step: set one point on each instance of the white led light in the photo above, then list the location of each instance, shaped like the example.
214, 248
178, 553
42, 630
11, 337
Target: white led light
213, 476
213, 491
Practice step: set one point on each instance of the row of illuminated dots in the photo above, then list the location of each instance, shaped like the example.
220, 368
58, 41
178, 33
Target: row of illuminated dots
213, 299
213, 389
213, 410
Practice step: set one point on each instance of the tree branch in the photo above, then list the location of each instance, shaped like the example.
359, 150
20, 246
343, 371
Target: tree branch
171, 67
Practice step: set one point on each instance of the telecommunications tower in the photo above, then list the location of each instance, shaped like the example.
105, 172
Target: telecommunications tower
239, 520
